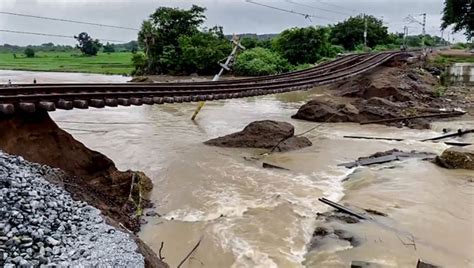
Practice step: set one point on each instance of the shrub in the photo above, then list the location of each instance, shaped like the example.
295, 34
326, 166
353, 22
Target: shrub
29, 52
260, 61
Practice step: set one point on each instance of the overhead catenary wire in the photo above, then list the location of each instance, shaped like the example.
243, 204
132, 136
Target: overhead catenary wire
68, 20
55, 35
307, 16
318, 8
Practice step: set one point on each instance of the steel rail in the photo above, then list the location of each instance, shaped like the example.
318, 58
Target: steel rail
84, 96
165, 86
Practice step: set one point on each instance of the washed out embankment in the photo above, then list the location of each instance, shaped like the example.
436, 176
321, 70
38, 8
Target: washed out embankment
403, 95
91, 176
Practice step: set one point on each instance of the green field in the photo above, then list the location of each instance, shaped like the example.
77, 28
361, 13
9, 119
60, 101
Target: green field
113, 63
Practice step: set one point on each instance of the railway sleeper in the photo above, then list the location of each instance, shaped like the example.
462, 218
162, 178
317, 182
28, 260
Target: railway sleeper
80, 104
111, 102
46, 106
97, 103
123, 101
64, 105
7, 108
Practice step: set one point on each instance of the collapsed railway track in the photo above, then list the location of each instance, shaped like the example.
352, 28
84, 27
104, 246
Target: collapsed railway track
30, 98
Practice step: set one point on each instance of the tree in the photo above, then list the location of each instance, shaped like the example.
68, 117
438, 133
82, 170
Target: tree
29, 52
260, 61
304, 45
109, 48
87, 45
350, 33
201, 51
460, 14
159, 36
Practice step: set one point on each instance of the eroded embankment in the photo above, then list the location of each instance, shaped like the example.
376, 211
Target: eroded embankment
91, 176
403, 95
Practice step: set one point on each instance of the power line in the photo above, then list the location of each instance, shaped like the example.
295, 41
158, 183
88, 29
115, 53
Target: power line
336, 6
307, 16
66, 20
54, 35
313, 7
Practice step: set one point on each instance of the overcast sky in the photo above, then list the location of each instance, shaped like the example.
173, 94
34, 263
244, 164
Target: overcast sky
236, 16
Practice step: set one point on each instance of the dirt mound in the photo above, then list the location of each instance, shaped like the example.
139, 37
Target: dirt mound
321, 111
385, 93
91, 176
457, 157
265, 134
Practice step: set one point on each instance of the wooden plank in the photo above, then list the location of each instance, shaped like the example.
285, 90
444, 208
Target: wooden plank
413, 117
266, 165
457, 134
47, 106
373, 138
342, 208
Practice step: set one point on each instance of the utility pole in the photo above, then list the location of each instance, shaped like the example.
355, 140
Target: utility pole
424, 30
365, 31
224, 66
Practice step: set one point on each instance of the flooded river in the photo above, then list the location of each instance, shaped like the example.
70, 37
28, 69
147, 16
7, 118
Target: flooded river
248, 216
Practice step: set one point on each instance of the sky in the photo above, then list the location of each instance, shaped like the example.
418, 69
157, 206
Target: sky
236, 16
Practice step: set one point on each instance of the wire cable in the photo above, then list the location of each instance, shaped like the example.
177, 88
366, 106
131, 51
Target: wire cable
307, 16
70, 21
318, 8
55, 35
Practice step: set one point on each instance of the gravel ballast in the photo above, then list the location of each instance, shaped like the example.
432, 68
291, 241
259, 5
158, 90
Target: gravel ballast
40, 224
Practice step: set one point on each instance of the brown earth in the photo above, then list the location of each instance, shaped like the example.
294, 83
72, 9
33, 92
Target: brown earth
384, 93
267, 134
91, 176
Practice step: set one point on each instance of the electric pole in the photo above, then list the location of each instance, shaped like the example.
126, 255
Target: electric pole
365, 31
224, 66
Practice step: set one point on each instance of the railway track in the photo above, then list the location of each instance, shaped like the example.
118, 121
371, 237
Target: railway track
49, 97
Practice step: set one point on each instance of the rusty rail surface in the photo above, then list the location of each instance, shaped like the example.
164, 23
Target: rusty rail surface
49, 97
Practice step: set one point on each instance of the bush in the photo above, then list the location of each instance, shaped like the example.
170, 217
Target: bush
260, 61
302, 67
29, 52
139, 61
459, 46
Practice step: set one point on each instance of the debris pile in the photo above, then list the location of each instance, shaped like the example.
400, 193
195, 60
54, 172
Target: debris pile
395, 96
267, 134
41, 224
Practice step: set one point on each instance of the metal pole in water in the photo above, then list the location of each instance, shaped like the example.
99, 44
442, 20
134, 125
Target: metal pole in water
224, 66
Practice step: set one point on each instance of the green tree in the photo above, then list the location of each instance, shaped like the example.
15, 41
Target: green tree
159, 36
29, 52
260, 61
109, 48
350, 33
201, 51
459, 13
87, 45
304, 45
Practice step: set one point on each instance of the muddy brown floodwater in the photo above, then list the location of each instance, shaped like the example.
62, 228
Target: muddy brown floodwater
248, 216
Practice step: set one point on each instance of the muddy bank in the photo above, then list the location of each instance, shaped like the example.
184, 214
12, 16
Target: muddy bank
91, 176
267, 134
388, 92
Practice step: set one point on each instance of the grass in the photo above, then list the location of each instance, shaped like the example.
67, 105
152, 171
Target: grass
114, 63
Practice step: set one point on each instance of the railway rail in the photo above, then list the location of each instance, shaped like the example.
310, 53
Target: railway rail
49, 97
